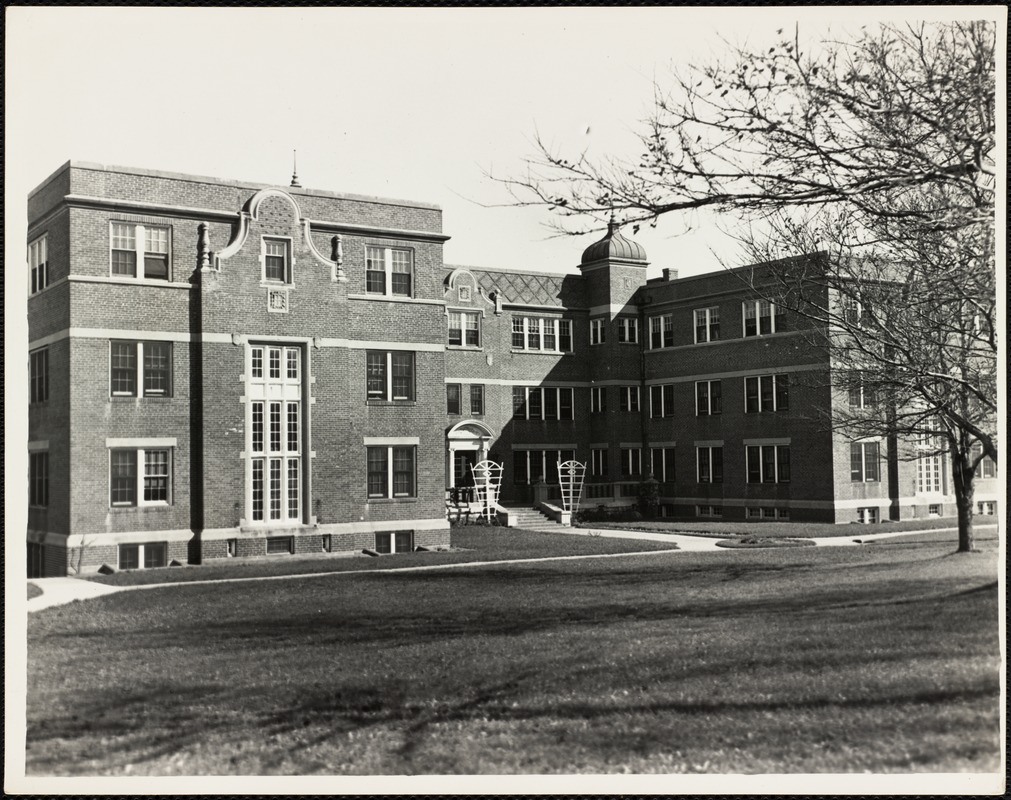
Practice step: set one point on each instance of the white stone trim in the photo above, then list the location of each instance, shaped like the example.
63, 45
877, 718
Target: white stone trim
742, 373
391, 441
759, 442
38, 445
543, 446
140, 441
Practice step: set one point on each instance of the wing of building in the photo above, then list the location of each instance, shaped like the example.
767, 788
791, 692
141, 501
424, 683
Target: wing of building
223, 369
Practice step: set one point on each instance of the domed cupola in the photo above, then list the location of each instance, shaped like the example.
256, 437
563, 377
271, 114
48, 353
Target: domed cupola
613, 247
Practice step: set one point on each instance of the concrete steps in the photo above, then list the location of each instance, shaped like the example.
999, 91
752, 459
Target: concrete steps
530, 519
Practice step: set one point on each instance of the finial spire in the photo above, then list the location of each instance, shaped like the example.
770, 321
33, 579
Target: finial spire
294, 169
612, 226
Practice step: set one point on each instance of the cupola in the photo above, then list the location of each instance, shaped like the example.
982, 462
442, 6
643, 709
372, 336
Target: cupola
613, 247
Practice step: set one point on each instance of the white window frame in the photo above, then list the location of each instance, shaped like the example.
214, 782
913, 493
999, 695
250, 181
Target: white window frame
598, 462
864, 460
598, 399
38, 375
139, 370
289, 260
388, 396
598, 331
479, 387
628, 396
139, 249
660, 324
544, 405
38, 264
869, 515
929, 467
37, 477
664, 411
141, 554
628, 330
760, 408
709, 412
391, 493
388, 269
542, 324
755, 307
986, 508
661, 475
698, 463
464, 318
776, 477
708, 318
631, 462
459, 399
141, 466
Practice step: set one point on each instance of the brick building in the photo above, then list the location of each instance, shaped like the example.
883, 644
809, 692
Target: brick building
222, 369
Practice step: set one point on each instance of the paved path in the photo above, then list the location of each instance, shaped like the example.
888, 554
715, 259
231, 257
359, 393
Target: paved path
58, 591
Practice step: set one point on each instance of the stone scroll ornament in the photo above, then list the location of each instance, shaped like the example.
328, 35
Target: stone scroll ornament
487, 480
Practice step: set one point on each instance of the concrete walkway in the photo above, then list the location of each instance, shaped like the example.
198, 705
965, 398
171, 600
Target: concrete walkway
58, 591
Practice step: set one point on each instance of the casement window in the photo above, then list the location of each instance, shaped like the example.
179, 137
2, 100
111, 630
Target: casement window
708, 511
141, 369
542, 334
598, 399
628, 398
389, 271
38, 479
273, 364
390, 472
768, 463
662, 463
148, 555
761, 317
628, 330
864, 462
276, 260
709, 464
477, 399
661, 400
631, 462
707, 324
544, 403
140, 477
38, 375
140, 251
661, 331
464, 329
38, 265
861, 391
708, 398
598, 331
766, 393
389, 375
531, 466
598, 463
389, 542
453, 398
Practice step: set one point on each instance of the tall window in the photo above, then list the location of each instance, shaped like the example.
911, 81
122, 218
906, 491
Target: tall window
865, 460
854, 312
766, 393
389, 270
661, 331
464, 329
709, 462
598, 463
861, 391
598, 331
145, 245
542, 334
661, 400
545, 403
761, 317
452, 398
389, 375
38, 375
276, 260
628, 398
708, 398
707, 324
38, 264
140, 477
598, 399
38, 479
768, 463
662, 463
631, 462
530, 466
628, 330
391, 471
143, 366
477, 399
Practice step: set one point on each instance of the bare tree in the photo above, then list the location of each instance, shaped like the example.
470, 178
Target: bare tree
874, 149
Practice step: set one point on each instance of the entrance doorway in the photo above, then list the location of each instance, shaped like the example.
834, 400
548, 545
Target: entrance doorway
463, 475
466, 445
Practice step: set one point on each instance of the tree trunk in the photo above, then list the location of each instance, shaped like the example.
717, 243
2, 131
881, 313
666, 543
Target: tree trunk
964, 483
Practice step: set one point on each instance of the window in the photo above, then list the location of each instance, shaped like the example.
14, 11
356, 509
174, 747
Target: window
934, 509
987, 467
661, 400
147, 365
662, 463
395, 542
148, 555
452, 398
928, 466
140, 477
628, 330
542, 334
861, 392
707, 324
38, 479
709, 462
628, 398
390, 471
464, 329
598, 399
389, 375
548, 403
766, 393
38, 375
761, 318
280, 545
661, 331
768, 463
598, 463
477, 400
708, 398
147, 245
855, 312
38, 265
986, 508
631, 462
276, 260
598, 331
709, 511
389, 270
531, 466
868, 516
864, 458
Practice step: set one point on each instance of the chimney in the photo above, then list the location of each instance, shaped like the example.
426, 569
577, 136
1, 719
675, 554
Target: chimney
670, 274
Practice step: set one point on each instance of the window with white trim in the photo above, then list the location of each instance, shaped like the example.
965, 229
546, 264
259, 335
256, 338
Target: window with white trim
38, 265
761, 317
453, 398
628, 330
861, 392
661, 400
464, 329
477, 400
766, 393
389, 375
145, 555
708, 511
707, 324
276, 260
389, 271
598, 399
662, 463
929, 469
708, 398
987, 467
631, 462
855, 312
768, 463
628, 398
389, 542
145, 245
598, 462
598, 331
140, 369
140, 476
391, 471
986, 508
38, 375
865, 460
542, 334
868, 516
530, 466
661, 331
544, 403
709, 464
38, 478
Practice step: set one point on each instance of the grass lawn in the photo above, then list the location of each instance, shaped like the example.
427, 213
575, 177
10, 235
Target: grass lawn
747, 661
